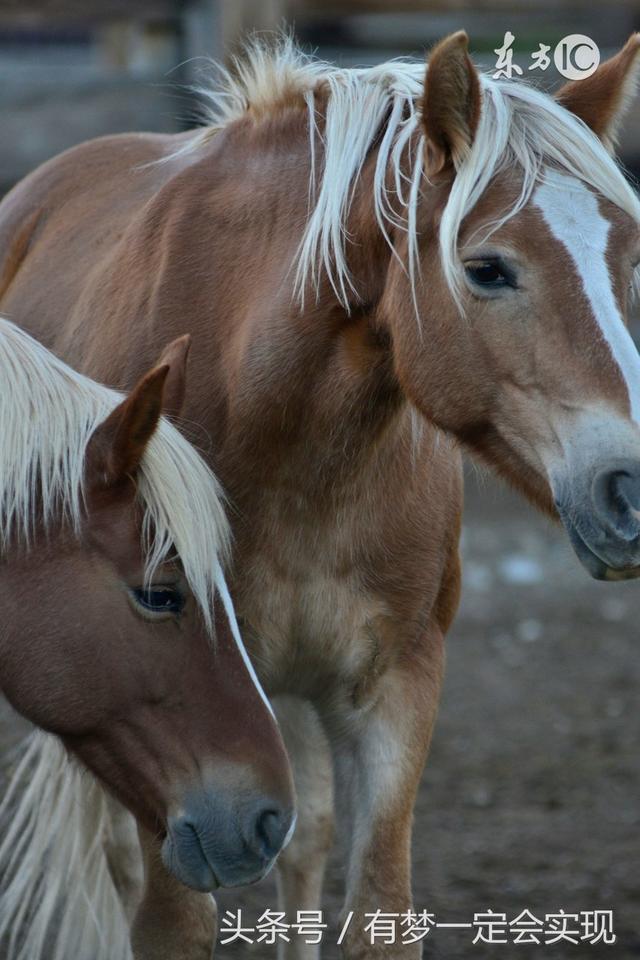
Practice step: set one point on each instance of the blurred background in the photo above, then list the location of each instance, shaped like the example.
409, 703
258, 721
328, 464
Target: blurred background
72, 70
531, 796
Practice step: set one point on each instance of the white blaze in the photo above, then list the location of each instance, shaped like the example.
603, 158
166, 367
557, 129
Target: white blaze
227, 603
571, 212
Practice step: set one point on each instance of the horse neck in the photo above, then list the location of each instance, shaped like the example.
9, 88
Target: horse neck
327, 398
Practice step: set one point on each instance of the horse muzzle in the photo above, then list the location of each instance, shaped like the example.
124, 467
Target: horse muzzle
216, 842
603, 520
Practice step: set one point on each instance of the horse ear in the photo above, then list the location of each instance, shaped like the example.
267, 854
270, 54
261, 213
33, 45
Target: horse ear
117, 445
450, 103
175, 356
602, 99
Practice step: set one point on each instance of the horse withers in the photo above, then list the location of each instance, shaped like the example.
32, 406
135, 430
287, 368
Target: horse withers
113, 537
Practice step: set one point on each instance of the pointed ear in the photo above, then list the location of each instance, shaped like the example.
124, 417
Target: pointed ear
175, 356
602, 99
117, 445
450, 103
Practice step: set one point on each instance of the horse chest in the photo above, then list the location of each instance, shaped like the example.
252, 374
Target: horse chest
311, 629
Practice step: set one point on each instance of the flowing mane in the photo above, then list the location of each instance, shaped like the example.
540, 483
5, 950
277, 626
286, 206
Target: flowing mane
520, 128
48, 413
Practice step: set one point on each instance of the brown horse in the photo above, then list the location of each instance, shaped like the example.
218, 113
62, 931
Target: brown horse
113, 534
377, 267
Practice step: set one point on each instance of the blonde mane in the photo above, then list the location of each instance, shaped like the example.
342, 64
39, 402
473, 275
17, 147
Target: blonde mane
48, 413
520, 128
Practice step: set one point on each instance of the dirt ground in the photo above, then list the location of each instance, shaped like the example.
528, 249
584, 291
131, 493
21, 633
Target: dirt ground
531, 795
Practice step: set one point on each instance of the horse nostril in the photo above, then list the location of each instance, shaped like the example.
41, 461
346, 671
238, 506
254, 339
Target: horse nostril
267, 828
616, 495
269, 832
627, 490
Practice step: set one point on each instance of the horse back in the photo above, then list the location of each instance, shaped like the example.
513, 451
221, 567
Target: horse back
63, 222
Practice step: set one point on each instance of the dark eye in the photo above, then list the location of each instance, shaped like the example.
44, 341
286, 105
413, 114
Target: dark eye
158, 600
489, 274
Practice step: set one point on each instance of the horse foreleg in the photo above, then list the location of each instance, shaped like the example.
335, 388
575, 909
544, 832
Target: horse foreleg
378, 764
302, 863
172, 922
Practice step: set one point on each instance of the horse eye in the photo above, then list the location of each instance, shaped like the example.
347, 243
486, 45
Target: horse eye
487, 274
158, 600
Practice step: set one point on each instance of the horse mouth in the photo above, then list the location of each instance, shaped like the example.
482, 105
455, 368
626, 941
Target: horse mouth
191, 866
592, 561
